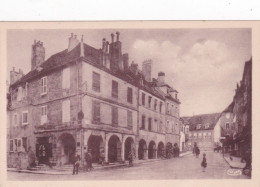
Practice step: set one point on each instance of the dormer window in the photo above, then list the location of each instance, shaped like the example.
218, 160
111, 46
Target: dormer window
206, 126
198, 126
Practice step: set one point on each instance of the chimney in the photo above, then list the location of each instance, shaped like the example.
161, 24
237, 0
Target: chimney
107, 45
125, 61
112, 38
147, 70
134, 67
161, 77
82, 47
73, 42
15, 75
103, 44
38, 54
117, 36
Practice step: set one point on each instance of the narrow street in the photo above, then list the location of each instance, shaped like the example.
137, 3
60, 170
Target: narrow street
187, 167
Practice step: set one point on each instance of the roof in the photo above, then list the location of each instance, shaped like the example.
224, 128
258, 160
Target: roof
203, 120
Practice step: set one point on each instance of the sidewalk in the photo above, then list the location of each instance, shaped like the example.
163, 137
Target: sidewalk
61, 171
235, 162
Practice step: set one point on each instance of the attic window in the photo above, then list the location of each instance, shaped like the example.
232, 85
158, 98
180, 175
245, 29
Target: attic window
198, 126
206, 126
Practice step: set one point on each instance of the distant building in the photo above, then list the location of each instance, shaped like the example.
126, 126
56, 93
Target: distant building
85, 99
201, 130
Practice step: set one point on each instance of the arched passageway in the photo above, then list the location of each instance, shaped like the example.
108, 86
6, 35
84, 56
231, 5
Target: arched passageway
67, 147
129, 146
114, 149
95, 146
169, 150
160, 150
151, 150
142, 149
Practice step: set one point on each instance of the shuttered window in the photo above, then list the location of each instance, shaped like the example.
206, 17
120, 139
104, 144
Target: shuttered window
96, 111
150, 124
114, 116
43, 115
143, 99
25, 118
114, 89
66, 111
143, 122
129, 95
66, 78
96, 82
129, 119
43, 85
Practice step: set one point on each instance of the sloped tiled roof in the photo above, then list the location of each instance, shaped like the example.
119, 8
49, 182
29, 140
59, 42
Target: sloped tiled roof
204, 120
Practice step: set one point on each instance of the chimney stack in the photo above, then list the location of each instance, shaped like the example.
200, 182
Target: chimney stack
38, 54
161, 77
15, 75
73, 42
103, 44
112, 38
117, 36
125, 61
147, 70
107, 44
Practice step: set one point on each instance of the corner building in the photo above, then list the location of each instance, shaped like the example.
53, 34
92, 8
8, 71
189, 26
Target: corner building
83, 99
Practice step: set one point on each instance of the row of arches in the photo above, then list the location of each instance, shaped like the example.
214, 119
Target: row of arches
115, 148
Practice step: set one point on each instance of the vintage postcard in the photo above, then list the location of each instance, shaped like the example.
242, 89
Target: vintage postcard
130, 102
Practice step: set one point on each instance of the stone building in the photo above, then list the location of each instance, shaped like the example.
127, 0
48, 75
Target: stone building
86, 99
201, 130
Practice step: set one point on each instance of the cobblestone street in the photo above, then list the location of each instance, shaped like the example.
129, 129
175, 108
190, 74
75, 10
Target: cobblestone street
187, 167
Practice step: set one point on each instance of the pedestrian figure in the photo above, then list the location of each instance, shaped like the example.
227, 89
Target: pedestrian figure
102, 157
204, 163
130, 158
88, 159
76, 164
197, 151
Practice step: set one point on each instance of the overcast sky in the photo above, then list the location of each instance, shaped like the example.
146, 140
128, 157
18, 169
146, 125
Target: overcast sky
204, 65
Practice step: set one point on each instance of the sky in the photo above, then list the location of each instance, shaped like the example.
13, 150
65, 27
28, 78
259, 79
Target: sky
204, 65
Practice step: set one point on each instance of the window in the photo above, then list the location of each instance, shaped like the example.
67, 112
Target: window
19, 145
129, 119
161, 107
161, 127
114, 89
204, 134
96, 111
198, 126
20, 93
189, 134
96, 82
66, 78
24, 144
209, 133
155, 104
200, 135
15, 144
43, 85
156, 125
167, 126
143, 99
149, 101
232, 127
66, 111
11, 145
227, 125
114, 116
129, 95
206, 126
150, 124
195, 134
43, 115
143, 122
25, 118
15, 120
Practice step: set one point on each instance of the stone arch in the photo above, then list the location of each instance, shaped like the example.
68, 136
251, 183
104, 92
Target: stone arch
169, 150
114, 148
142, 150
66, 146
160, 150
96, 147
152, 150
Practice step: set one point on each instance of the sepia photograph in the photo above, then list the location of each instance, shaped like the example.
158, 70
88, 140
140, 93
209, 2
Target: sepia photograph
128, 103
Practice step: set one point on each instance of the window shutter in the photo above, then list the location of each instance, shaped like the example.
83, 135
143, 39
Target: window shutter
114, 116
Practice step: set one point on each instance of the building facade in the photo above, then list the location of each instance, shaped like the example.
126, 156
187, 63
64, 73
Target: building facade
201, 130
85, 99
